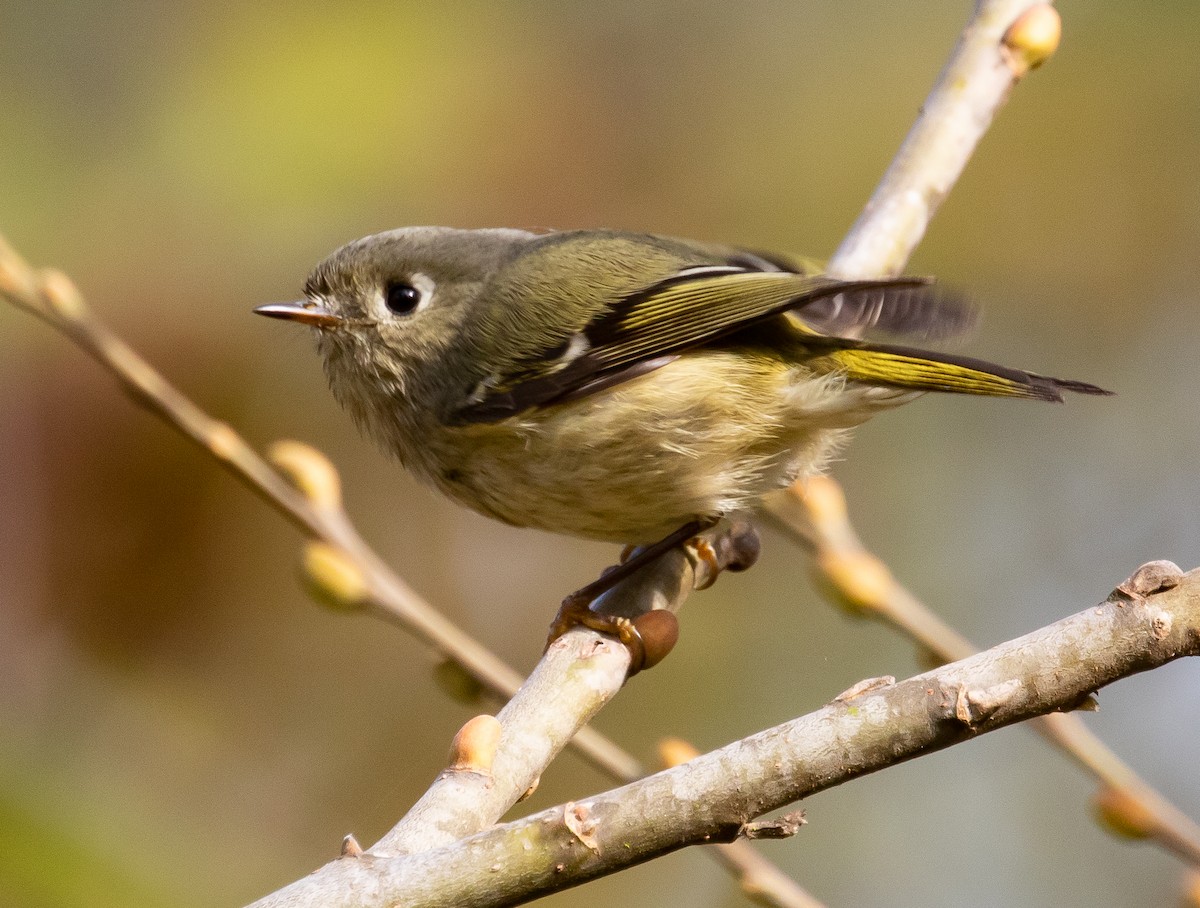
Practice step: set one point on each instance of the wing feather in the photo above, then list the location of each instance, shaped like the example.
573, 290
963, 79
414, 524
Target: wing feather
646, 329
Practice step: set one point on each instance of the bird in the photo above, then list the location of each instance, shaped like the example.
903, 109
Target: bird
622, 386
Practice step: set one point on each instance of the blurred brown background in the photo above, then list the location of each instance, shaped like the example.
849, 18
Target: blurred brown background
179, 725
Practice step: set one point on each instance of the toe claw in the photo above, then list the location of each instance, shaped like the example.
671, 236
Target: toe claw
707, 555
734, 550
575, 612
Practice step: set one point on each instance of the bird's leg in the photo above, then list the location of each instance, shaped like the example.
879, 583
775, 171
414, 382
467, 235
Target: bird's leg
633, 560
576, 609
734, 550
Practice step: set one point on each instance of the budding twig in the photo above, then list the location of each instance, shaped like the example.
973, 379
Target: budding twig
815, 514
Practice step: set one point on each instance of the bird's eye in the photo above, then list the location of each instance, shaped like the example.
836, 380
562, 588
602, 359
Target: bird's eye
401, 298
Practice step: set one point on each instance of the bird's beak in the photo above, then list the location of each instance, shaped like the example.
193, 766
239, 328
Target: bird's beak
306, 312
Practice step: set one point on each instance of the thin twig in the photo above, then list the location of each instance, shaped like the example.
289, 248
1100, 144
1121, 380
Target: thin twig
1002, 42
582, 668
815, 514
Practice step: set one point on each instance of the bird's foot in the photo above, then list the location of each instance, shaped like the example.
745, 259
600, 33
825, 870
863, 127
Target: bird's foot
650, 635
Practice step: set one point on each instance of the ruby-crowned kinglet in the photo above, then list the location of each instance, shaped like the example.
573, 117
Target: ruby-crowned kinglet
617, 386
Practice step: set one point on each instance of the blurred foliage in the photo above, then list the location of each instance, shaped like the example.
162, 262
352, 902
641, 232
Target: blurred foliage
179, 726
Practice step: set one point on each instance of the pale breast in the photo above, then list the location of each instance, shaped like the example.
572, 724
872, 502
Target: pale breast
703, 436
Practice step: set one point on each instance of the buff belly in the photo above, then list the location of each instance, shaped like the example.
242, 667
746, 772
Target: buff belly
634, 463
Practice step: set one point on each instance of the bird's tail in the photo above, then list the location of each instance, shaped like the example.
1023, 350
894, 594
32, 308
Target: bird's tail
921, 370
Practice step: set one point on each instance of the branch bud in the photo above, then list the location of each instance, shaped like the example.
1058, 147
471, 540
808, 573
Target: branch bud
332, 578
474, 747
1123, 813
62, 296
858, 581
676, 751
310, 471
1032, 39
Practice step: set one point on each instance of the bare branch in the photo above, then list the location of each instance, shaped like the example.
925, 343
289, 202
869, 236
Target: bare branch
711, 798
814, 513
579, 673
1002, 42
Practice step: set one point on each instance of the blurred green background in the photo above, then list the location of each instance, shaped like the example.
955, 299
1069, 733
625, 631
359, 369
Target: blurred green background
179, 725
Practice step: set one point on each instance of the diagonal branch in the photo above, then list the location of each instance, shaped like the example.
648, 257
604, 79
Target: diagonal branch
1149, 620
814, 514
1003, 41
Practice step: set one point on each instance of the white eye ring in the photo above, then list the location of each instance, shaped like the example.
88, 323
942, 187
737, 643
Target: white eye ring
405, 297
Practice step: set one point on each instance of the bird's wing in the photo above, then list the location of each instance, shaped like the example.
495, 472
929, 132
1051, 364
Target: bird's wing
648, 328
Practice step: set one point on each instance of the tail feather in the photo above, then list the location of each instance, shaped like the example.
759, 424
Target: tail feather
919, 311
904, 367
